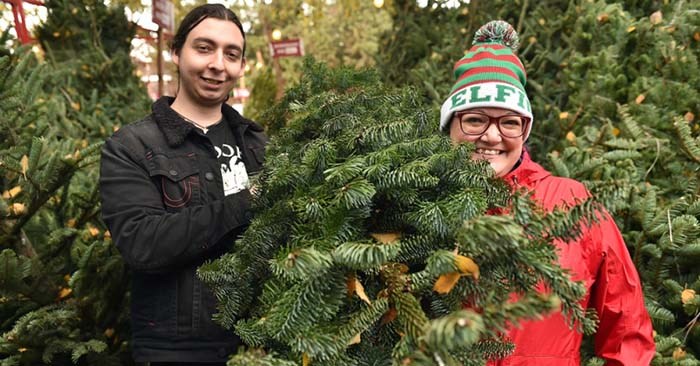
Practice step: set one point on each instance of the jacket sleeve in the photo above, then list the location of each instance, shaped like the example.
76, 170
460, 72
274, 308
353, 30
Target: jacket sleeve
624, 335
149, 238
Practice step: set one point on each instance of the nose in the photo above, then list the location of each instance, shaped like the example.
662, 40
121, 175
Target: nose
492, 134
217, 61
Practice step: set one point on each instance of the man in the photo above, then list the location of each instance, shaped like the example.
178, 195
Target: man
175, 193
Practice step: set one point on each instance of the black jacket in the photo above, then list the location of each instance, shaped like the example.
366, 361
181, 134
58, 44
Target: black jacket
163, 201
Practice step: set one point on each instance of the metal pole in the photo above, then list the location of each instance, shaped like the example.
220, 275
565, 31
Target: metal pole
20, 26
159, 61
19, 17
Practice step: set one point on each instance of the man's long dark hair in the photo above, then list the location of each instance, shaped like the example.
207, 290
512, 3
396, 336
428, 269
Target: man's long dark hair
196, 16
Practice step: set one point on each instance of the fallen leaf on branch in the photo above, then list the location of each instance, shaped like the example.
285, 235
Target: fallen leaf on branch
355, 340
360, 291
687, 295
446, 282
24, 162
467, 266
386, 238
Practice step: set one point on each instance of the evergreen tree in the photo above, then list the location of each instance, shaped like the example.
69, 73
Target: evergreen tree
53, 247
343, 32
93, 70
371, 241
5, 38
63, 285
417, 52
262, 90
632, 136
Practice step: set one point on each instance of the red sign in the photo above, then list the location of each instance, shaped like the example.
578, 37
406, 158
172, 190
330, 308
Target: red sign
287, 48
163, 14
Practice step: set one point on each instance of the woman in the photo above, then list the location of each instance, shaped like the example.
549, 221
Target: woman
488, 106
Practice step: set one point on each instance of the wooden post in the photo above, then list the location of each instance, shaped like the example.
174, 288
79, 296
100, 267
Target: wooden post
276, 67
279, 78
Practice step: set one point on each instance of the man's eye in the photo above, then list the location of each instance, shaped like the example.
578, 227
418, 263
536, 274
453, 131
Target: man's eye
234, 56
203, 48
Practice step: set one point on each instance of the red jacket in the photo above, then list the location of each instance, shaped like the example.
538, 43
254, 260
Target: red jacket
599, 259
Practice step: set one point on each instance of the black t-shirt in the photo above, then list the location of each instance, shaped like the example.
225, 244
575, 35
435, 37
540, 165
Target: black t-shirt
233, 173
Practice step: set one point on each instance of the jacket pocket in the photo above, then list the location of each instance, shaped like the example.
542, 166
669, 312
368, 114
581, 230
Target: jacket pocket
203, 321
259, 154
177, 179
153, 304
257, 159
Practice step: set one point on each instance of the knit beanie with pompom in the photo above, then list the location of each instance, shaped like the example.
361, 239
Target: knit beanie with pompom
489, 75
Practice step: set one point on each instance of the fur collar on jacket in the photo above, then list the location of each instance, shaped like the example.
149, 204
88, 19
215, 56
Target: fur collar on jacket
176, 129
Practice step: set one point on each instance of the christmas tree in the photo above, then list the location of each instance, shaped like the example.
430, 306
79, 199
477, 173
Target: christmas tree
628, 130
371, 241
64, 287
92, 69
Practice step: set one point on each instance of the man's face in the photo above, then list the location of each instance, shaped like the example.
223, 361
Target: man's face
500, 151
210, 62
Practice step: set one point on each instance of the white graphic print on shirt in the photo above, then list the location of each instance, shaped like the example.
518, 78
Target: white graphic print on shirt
233, 173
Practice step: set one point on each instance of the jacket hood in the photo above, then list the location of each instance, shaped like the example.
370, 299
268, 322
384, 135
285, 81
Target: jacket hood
176, 129
527, 173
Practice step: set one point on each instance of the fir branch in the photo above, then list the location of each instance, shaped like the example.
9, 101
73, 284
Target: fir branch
409, 314
660, 316
346, 171
431, 218
358, 255
363, 319
297, 264
257, 357
687, 143
355, 194
306, 304
456, 330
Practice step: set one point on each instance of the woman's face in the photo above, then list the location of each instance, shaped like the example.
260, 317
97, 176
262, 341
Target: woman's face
501, 152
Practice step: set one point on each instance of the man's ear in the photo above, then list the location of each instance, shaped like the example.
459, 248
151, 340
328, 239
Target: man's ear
241, 72
174, 54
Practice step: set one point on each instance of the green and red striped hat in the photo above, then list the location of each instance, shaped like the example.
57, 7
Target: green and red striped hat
489, 75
